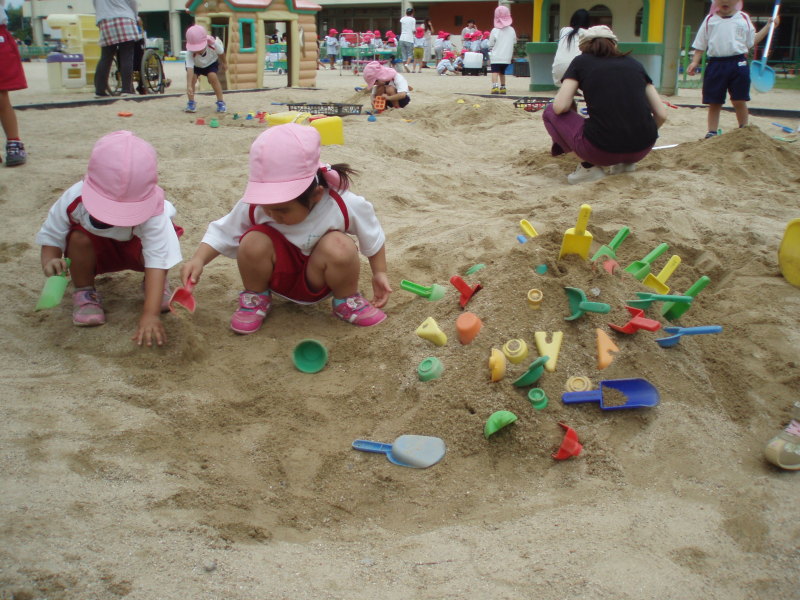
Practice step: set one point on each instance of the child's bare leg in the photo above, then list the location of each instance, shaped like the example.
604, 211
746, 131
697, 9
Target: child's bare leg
334, 262
391, 91
713, 116
8, 118
502, 79
215, 85
256, 260
495, 79
191, 81
742, 114
81, 253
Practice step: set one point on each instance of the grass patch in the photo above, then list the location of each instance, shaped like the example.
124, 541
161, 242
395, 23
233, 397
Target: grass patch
789, 83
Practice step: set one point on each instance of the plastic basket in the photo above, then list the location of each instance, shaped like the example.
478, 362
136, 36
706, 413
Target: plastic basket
329, 109
532, 104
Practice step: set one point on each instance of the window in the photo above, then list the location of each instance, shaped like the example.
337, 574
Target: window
637, 24
247, 35
600, 14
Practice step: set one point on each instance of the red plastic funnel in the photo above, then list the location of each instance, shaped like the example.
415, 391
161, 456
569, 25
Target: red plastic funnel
182, 296
570, 446
463, 287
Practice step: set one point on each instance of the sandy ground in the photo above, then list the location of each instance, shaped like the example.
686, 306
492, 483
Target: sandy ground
211, 468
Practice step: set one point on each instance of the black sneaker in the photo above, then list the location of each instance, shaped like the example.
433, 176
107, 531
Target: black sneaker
15, 153
711, 134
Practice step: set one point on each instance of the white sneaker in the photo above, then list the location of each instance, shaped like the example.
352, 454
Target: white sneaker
582, 174
621, 168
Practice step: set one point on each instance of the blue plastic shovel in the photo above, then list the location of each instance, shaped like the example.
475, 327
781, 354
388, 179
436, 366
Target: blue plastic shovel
761, 75
416, 451
677, 332
636, 393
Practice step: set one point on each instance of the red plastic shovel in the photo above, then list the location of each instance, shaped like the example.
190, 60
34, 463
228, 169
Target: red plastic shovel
182, 296
638, 321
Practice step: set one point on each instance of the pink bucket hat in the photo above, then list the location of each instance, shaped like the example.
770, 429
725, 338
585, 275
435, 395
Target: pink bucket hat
375, 71
502, 17
120, 187
283, 162
197, 38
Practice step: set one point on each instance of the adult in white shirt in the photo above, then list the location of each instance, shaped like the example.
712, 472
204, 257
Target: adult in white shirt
408, 25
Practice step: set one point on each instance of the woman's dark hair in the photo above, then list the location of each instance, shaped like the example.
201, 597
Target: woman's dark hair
345, 172
602, 48
578, 20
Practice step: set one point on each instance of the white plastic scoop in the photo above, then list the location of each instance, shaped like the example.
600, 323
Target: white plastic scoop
416, 451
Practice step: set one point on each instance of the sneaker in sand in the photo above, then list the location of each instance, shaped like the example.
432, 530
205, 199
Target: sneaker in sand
357, 310
583, 175
784, 449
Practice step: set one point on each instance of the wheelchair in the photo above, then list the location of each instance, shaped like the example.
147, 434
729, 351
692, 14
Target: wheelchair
148, 72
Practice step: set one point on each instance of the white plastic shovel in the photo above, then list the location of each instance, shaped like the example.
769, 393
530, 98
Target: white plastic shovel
417, 451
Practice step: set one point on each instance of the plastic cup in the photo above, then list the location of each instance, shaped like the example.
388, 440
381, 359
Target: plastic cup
310, 356
535, 298
516, 350
430, 368
537, 398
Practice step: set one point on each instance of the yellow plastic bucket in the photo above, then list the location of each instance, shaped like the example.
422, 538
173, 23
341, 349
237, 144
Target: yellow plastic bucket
291, 116
330, 130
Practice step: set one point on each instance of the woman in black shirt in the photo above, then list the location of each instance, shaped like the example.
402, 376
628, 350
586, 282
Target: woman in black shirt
625, 110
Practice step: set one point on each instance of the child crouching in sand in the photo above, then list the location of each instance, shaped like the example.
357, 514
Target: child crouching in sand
288, 234
116, 219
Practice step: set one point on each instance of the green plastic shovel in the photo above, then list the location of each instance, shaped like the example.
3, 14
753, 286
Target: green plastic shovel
53, 290
431, 292
646, 299
673, 310
611, 249
640, 268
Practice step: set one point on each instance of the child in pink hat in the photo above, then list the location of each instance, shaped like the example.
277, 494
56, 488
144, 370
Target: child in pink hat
205, 55
501, 48
332, 47
115, 219
388, 83
289, 234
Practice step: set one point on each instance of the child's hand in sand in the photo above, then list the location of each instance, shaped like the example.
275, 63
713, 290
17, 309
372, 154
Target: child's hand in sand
191, 271
54, 266
380, 289
150, 329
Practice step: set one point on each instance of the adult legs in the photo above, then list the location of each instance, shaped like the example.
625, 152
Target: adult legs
126, 51
103, 68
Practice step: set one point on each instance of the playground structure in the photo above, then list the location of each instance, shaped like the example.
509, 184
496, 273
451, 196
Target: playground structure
80, 35
242, 27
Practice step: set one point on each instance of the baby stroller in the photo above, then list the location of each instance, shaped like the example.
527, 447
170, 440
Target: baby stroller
148, 72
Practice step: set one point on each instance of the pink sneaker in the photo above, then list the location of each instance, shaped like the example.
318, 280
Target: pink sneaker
357, 310
253, 309
87, 310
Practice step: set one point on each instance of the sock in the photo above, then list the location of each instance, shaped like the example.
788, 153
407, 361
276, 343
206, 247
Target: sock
13, 140
338, 301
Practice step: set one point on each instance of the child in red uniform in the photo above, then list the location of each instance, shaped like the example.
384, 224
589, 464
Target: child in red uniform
116, 219
12, 78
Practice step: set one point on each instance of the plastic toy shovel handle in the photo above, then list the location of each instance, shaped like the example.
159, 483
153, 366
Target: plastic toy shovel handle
775, 10
596, 307
582, 397
369, 446
619, 238
583, 219
415, 288
658, 251
694, 330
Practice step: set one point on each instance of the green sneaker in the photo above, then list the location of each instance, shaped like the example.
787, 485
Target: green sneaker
784, 449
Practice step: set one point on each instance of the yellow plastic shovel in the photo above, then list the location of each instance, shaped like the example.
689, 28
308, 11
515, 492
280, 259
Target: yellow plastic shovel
576, 239
658, 283
789, 253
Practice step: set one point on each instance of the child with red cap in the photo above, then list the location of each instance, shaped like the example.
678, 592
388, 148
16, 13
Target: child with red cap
288, 234
332, 46
419, 48
115, 219
205, 55
388, 83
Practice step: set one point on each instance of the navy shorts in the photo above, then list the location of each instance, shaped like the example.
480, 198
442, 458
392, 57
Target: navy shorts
212, 68
499, 67
729, 74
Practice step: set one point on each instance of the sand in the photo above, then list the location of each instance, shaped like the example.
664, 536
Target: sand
212, 468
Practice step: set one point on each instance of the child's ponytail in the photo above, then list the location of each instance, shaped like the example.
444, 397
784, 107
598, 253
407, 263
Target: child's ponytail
336, 177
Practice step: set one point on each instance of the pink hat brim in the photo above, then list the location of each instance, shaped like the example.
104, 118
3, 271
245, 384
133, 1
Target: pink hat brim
120, 214
263, 193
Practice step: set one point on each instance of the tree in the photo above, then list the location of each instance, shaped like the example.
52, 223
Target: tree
18, 25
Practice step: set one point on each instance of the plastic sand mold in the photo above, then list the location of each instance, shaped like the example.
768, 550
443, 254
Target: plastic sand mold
53, 290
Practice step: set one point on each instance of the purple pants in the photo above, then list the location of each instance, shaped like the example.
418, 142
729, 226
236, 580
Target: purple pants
566, 130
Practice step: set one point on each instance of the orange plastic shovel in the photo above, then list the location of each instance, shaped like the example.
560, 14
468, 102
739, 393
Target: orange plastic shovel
182, 296
576, 239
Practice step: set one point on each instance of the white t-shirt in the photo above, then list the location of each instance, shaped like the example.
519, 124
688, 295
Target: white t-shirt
205, 58
444, 65
400, 84
407, 26
223, 235
567, 50
419, 42
160, 246
501, 45
332, 45
725, 36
